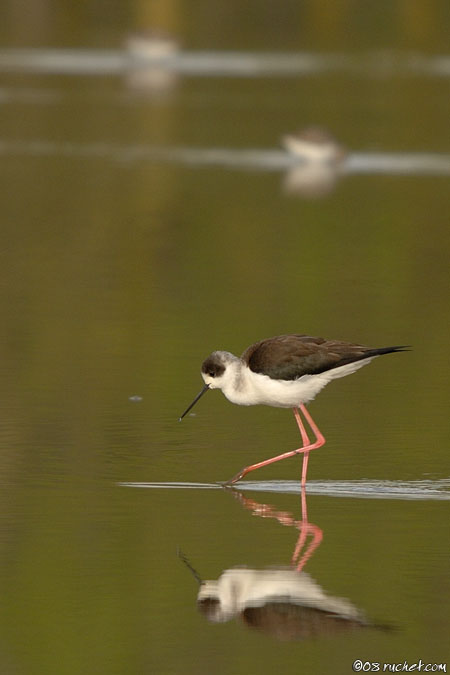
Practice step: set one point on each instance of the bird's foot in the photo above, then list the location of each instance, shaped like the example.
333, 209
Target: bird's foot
235, 478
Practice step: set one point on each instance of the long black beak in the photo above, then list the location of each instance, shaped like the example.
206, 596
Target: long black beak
205, 388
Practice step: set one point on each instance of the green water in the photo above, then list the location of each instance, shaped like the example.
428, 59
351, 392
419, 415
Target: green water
120, 274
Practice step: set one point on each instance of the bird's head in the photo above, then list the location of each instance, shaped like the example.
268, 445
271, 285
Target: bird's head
215, 369
217, 372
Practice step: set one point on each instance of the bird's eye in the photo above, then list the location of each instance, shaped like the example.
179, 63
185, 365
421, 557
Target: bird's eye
211, 374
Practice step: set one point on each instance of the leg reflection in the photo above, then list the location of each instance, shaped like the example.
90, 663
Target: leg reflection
305, 528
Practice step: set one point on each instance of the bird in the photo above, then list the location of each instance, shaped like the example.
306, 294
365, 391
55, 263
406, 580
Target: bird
153, 45
315, 145
286, 371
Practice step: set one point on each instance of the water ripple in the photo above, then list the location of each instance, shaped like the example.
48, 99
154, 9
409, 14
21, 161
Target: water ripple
362, 489
94, 62
247, 160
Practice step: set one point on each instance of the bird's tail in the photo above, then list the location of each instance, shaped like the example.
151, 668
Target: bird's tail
385, 350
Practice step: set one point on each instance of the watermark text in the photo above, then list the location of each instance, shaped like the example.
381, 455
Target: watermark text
360, 666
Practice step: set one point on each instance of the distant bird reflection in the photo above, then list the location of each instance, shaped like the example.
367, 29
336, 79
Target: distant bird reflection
150, 61
282, 601
310, 180
319, 158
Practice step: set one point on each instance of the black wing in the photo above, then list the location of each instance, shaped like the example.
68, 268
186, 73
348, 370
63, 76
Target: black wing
288, 357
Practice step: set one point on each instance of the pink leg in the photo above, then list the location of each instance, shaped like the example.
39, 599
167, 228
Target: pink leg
301, 426
320, 440
306, 442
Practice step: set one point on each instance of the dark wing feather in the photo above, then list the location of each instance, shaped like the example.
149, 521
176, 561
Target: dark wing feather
288, 357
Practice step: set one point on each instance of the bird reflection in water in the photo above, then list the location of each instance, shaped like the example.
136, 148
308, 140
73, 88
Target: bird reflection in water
150, 62
319, 159
282, 601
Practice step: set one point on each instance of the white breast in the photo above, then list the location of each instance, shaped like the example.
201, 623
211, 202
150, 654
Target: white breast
253, 388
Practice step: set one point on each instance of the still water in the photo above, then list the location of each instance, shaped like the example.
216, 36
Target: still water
151, 215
